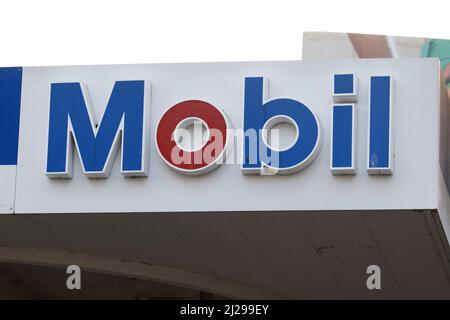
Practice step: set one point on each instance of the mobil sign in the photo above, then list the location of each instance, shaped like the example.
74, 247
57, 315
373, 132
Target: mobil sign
250, 136
124, 128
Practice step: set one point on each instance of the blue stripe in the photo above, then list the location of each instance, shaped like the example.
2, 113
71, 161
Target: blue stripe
380, 88
342, 136
10, 91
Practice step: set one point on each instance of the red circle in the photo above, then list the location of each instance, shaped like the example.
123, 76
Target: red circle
191, 108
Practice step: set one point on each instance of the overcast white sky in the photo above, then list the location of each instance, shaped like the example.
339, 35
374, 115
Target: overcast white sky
52, 32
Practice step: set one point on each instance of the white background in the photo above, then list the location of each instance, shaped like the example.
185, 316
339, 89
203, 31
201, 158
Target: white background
55, 32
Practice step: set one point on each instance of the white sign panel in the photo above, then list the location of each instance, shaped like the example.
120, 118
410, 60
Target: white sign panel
7, 184
251, 136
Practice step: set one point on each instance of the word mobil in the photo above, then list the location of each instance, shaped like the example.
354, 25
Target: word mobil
126, 121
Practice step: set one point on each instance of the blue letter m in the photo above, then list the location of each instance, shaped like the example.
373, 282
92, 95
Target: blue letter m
125, 122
